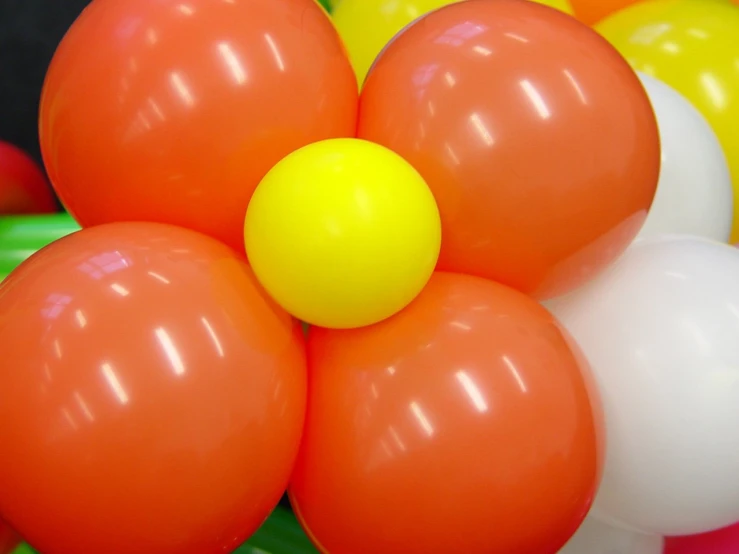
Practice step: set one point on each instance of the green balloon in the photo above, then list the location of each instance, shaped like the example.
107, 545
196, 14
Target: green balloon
23, 236
35, 231
326, 4
280, 534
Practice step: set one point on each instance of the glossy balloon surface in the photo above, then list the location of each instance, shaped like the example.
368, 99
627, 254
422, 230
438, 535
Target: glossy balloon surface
173, 111
692, 46
592, 11
595, 537
366, 26
22, 236
462, 424
343, 233
723, 541
660, 331
9, 539
561, 5
694, 195
23, 185
535, 136
151, 399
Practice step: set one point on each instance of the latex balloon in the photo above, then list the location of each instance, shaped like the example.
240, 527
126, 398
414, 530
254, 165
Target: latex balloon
595, 537
366, 26
723, 541
22, 236
561, 5
694, 195
35, 231
462, 424
695, 52
501, 107
9, 539
279, 534
343, 233
659, 329
147, 363
23, 185
592, 11
183, 113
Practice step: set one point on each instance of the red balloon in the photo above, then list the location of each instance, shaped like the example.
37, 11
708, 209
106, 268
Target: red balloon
463, 424
9, 539
23, 185
151, 397
172, 111
724, 541
536, 137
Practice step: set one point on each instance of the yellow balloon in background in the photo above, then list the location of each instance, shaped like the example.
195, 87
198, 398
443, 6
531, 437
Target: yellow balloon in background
366, 26
561, 5
343, 233
693, 46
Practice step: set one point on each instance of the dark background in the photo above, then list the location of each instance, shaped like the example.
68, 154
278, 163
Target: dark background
30, 31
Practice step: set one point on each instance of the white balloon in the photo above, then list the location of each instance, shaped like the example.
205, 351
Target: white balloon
694, 194
661, 331
595, 537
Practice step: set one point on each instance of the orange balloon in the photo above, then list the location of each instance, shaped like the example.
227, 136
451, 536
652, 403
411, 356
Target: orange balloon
23, 185
173, 111
536, 137
591, 12
151, 397
9, 540
463, 424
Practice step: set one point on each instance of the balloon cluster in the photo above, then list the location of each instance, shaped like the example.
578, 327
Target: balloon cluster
505, 351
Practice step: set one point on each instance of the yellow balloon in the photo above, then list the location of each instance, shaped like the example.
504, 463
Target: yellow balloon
343, 233
692, 45
561, 5
366, 26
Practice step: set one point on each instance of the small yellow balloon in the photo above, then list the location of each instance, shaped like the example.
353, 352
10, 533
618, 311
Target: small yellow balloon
693, 46
343, 233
